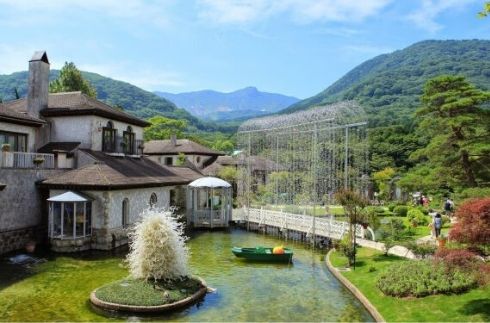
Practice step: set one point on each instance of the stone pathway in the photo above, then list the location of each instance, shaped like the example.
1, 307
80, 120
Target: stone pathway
399, 251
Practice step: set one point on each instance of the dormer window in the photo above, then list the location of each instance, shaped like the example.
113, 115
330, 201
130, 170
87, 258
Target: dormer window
109, 135
129, 142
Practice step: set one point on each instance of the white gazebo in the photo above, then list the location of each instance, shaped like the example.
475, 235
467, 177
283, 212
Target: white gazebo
209, 203
69, 216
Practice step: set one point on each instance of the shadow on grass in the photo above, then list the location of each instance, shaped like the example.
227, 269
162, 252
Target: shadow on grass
477, 306
382, 257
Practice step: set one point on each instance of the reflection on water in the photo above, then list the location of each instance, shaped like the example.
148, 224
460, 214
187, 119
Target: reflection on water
302, 291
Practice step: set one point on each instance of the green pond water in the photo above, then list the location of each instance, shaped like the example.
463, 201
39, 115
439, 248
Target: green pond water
58, 289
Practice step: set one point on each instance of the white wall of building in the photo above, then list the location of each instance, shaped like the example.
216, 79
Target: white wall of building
197, 160
87, 130
29, 131
107, 205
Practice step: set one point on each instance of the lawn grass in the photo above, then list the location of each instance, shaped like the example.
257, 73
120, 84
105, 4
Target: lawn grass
473, 305
147, 293
59, 290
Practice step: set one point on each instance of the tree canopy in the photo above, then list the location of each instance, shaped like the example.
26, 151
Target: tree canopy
163, 128
459, 127
71, 79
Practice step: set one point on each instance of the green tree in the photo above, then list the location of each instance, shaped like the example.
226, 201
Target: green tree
224, 145
228, 173
163, 128
354, 205
451, 115
71, 79
382, 178
486, 10
180, 160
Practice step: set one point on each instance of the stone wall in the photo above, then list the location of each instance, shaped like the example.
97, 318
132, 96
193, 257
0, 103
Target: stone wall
22, 206
107, 230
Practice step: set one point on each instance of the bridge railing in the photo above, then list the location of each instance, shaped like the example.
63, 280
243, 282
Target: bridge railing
321, 226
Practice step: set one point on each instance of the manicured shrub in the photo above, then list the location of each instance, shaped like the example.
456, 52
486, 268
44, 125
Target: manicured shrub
415, 216
423, 278
400, 210
421, 250
473, 226
391, 206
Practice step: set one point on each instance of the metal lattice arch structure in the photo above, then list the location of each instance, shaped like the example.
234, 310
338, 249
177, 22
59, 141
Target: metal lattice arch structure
303, 158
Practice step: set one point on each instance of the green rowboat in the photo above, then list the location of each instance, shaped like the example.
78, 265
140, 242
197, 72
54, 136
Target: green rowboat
263, 254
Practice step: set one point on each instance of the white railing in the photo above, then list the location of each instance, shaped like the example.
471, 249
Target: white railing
326, 227
26, 160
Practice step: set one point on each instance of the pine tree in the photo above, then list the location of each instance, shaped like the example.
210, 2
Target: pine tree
71, 79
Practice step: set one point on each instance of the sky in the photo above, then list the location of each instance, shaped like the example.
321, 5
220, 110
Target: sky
293, 47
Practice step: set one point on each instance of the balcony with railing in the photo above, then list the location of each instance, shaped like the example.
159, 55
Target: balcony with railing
26, 160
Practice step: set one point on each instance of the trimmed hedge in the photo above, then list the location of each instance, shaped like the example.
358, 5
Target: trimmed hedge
423, 278
400, 210
415, 216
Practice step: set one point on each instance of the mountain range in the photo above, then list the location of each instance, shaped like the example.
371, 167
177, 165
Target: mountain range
131, 98
241, 104
389, 85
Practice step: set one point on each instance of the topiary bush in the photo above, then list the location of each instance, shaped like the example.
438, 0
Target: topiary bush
416, 217
423, 278
421, 250
400, 210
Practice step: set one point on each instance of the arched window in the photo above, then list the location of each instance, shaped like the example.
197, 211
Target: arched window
125, 213
153, 200
198, 159
109, 135
129, 146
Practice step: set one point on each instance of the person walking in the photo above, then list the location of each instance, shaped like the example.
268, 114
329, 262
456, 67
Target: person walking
437, 225
448, 207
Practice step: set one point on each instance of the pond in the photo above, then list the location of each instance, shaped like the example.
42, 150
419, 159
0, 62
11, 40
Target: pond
58, 289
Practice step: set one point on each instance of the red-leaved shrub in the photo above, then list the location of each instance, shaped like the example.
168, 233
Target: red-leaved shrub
473, 226
460, 258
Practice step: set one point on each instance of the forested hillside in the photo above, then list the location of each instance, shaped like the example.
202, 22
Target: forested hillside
136, 101
390, 85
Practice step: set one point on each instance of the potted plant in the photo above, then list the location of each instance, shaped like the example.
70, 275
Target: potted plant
5, 147
38, 161
442, 241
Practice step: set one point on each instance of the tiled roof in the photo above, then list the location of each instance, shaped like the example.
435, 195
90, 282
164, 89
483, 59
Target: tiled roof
77, 103
18, 117
52, 147
166, 147
112, 172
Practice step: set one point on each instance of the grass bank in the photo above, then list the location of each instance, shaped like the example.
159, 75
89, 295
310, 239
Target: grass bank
470, 306
147, 293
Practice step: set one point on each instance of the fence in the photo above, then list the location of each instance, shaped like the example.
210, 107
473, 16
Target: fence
324, 226
26, 160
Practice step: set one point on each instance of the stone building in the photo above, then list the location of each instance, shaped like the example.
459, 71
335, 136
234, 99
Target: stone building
63, 146
166, 152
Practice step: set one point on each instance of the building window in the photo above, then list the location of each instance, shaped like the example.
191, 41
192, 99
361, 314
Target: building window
70, 220
153, 200
169, 161
129, 141
198, 159
173, 199
17, 141
109, 135
125, 213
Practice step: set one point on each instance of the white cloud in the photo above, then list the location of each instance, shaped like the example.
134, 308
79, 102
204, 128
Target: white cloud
425, 16
300, 11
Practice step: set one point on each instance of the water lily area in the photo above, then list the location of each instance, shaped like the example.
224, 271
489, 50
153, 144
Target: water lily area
58, 289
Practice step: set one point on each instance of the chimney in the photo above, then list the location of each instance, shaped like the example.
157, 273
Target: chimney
37, 92
173, 140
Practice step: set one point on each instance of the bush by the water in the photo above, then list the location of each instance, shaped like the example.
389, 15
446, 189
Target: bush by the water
423, 278
400, 210
157, 247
